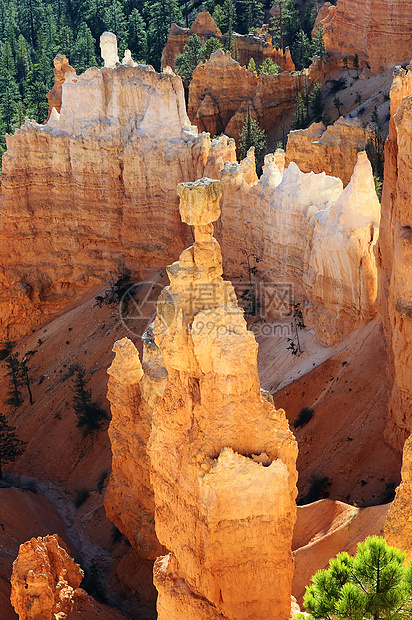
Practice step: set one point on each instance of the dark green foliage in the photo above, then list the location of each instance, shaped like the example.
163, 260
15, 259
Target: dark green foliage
375, 584
269, 67
117, 291
316, 102
210, 46
187, 62
375, 150
6, 347
305, 415
301, 50
10, 445
251, 135
300, 120
80, 496
137, 36
318, 45
338, 104
13, 371
286, 26
252, 14
89, 414
250, 304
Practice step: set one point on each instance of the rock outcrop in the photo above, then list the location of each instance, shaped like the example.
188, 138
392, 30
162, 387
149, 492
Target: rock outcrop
289, 223
45, 585
398, 524
54, 96
333, 149
110, 162
221, 90
394, 252
222, 457
257, 46
129, 501
379, 31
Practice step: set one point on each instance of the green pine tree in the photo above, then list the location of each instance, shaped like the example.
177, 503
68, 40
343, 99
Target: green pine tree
219, 17
137, 36
13, 371
251, 14
269, 67
89, 414
316, 102
10, 445
301, 50
373, 585
251, 135
318, 44
300, 118
115, 21
211, 45
187, 62
84, 49
9, 101
252, 64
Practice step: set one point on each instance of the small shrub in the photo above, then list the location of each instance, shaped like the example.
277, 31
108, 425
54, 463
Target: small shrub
80, 496
305, 415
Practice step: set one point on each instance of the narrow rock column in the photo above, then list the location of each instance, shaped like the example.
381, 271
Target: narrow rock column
222, 457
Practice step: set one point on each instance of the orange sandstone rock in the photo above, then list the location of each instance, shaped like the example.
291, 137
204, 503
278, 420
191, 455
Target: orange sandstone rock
333, 149
394, 255
379, 31
111, 166
45, 585
54, 96
398, 526
222, 457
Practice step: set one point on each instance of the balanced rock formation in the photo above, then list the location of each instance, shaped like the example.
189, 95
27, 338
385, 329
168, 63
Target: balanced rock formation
379, 31
333, 149
221, 90
398, 524
54, 96
222, 457
394, 255
110, 162
291, 223
257, 46
45, 585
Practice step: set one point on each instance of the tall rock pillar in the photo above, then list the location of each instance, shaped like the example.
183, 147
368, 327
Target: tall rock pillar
223, 460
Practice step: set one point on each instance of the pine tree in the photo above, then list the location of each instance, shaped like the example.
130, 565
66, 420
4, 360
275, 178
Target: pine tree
161, 17
9, 101
252, 14
301, 50
219, 17
12, 365
10, 445
209, 47
229, 25
89, 414
316, 102
337, 103
251, 135
84, 49
252, 64
115, 21
355, 63
137, 36
187, 62
318, 44
300, 118
374, 584
269, 67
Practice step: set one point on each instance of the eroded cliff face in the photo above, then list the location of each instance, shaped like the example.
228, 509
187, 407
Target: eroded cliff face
394, 255
379, 31
110, 163
45, 585
221, 90
289, 222
333, 149
257, 46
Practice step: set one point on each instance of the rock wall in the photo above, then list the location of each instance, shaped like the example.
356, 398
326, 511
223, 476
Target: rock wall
379, 31
258, 46
224, 481
93, 190
398, 526
294, 224
45, 585
394, 252
221, 90
333, 149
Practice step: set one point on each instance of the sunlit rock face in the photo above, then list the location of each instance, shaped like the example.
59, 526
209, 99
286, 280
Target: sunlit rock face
333, 149
94, 190
313, 238
394, 258
379, 31
398, 525
222, 457
54, 96
45, 585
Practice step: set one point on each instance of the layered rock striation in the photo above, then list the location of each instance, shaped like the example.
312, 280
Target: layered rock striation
379, 31
394, 255
257, 46
222, 457
333, 149
110, 162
